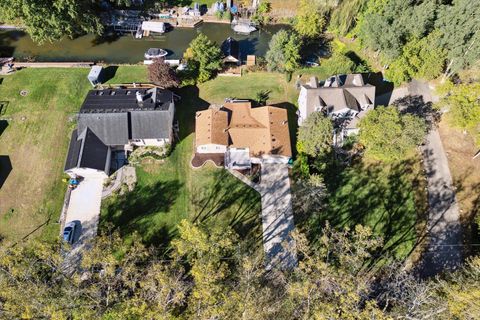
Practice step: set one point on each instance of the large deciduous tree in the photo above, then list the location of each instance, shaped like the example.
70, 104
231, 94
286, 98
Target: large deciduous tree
161, 74
420, 58
51, 20
309, 22
284, 52
389, 135
315, 136
206, 56
464, 107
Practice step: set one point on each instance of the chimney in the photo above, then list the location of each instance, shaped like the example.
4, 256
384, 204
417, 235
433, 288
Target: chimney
314, 82
139, 97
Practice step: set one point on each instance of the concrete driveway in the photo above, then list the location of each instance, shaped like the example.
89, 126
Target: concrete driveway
84, 210
277, 216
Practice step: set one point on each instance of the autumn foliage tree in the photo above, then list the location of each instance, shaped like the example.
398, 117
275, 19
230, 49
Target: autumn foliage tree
161, 74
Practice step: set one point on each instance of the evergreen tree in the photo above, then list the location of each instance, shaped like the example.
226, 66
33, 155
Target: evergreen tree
206, 56
284, 52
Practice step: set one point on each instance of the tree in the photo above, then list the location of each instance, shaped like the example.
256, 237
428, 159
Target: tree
389, 135
459, 28
205, 253
344, 17
315, 136
284, 52
206, 57
262, 96
309, 23
387, 25
51, 20
308, 195
332, 281
464, 107
338, 63
161, 74
421, 58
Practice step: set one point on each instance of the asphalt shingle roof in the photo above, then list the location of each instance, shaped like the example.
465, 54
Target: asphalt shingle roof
86, 150
150, 124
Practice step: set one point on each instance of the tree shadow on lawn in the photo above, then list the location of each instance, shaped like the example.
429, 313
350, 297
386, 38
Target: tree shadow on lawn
229, 202
388, 199
136, 211
186, 108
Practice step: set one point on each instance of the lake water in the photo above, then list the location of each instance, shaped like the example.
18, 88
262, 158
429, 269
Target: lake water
126, 49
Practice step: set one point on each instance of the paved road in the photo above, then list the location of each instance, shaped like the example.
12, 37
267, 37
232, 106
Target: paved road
84, 210
277, 217
444, 251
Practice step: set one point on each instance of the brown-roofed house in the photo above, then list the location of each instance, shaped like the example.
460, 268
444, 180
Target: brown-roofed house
243, 133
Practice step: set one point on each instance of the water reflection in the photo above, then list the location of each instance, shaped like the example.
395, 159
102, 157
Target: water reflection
112, 48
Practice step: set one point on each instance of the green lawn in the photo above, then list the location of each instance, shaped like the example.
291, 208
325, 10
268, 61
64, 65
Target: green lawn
391, 199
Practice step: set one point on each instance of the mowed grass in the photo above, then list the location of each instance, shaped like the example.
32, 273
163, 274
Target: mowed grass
35, 143
391, 199
171, 190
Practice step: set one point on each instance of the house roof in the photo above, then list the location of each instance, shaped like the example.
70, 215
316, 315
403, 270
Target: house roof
340, 92
121, 100
263, 130
115, 116
150, 124
111, 128
86, 150
231, 49
211, 127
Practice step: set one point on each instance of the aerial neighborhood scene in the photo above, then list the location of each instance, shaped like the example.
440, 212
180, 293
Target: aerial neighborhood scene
239, 159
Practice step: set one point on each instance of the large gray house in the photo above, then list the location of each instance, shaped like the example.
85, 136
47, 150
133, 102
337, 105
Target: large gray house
117, 120
340, 96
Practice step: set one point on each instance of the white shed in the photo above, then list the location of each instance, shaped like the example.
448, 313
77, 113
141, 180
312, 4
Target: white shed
94, 76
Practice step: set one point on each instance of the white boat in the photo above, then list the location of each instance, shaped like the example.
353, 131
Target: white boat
244, 28
155, 53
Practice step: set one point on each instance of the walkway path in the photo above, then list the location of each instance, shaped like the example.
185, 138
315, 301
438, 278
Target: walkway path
277, 217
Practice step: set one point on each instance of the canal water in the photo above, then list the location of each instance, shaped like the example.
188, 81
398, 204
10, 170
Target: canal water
125, 49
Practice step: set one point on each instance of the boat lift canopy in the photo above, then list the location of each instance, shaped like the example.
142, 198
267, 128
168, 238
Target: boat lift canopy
153, 26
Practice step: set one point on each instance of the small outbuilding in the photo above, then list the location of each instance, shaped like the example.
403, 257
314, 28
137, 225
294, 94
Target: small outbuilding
231, 51
95, 75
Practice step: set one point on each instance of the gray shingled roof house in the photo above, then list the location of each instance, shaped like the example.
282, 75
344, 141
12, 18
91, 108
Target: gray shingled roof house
339, 96
116, 119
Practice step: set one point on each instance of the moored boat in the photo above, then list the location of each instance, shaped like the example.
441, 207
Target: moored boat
155, 53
